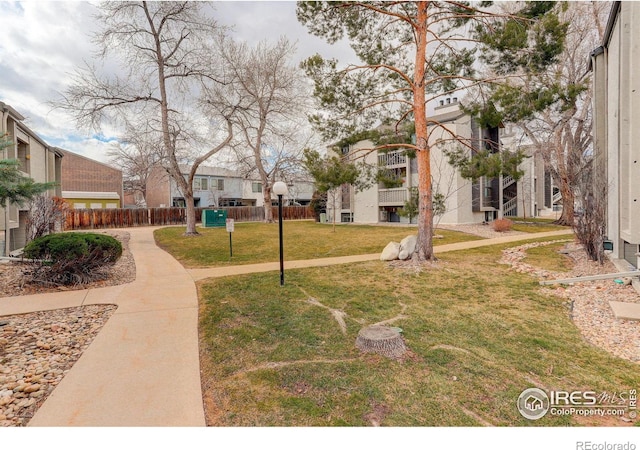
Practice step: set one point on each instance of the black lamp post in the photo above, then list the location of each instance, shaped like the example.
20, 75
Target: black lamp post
280, 189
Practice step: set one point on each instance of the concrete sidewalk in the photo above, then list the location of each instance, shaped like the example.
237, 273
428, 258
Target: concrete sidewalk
214, 272
143, 368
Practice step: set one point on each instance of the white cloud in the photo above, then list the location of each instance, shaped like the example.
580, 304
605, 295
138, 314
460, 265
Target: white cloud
44, 42
254, 21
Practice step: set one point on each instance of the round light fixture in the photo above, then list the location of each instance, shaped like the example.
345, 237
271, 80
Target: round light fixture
279, 188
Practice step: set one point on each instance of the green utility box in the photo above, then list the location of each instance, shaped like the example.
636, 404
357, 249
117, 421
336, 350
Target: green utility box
214, 218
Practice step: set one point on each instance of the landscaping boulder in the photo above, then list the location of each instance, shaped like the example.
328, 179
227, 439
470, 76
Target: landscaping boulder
407, 247
390, 252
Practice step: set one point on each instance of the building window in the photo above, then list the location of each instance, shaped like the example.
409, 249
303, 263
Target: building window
256, 187
230, 202
200, 184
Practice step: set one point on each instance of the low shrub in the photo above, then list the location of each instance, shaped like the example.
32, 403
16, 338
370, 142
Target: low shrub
71, 258
502, 225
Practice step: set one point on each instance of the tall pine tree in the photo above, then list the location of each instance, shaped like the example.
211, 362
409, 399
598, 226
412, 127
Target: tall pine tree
411, 53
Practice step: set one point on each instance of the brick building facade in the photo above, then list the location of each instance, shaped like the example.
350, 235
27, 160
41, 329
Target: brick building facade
87, 183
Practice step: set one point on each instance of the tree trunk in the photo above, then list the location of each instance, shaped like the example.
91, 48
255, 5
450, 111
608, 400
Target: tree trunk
268, 210
190, 208
424, 247
568, 199
191, 216
334, 201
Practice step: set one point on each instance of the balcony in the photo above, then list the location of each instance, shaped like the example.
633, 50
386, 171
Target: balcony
510, 207
392, 159
393, 197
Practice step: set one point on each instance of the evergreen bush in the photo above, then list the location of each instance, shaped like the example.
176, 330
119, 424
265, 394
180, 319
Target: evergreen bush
71, 258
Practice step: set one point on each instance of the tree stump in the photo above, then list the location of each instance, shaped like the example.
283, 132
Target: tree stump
382, 340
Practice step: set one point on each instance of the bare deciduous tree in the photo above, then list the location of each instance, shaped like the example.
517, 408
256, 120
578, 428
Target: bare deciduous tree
46, 214
138, 152
273, 98
553, 107
166, 51
563, 135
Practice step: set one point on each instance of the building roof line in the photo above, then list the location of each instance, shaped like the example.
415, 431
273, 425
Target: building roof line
63, 151
613, 15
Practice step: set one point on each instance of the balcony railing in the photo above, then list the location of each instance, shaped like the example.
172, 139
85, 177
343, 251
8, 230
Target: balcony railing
510, 208
507, 181
557, 197
396, 158
395, 196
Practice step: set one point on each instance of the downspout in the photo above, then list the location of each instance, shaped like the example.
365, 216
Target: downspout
5, 121
3, 128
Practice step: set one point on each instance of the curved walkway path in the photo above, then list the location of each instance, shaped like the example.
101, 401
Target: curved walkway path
143, 367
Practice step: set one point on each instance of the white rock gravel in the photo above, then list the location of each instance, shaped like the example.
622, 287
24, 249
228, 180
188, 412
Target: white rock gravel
38, 349
589, 301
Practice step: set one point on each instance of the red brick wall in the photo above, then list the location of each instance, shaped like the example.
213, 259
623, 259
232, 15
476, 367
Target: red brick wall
84, 174
158, 188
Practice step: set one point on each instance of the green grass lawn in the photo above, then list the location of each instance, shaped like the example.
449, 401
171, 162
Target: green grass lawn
258, 242
535, 225
478, 334
549, 258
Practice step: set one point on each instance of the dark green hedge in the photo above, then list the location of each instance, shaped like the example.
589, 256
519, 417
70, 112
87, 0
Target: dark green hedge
71, 258
69, 246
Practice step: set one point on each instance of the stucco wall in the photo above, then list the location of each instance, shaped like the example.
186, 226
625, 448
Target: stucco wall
364, 204
616, 119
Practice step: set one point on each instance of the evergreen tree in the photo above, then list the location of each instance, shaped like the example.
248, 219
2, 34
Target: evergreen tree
411, 53
330, 174
550, 103
15, 187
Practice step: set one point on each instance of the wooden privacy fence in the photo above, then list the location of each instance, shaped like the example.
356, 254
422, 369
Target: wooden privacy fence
83, 219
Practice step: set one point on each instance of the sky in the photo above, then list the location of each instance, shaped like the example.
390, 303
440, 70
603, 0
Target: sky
43, 42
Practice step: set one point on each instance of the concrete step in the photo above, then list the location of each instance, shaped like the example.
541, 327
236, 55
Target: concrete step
625, 310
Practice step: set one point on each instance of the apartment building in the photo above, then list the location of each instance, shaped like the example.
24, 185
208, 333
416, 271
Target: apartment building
218, 187
465, 201
616, 80
38, 160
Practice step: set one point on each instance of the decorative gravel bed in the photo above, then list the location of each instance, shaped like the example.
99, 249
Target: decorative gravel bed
589, 301
482, 230
37, 349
